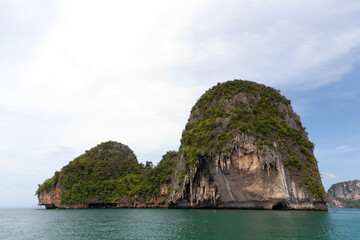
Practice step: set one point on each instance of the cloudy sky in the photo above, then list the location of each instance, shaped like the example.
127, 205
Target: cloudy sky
76, 73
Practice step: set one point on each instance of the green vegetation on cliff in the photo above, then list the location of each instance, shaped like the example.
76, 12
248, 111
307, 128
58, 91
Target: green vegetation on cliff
163, 172
349, 203
107, 173
234, 107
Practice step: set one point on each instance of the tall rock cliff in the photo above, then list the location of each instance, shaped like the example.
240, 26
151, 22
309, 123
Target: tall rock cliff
345, 194
244, 147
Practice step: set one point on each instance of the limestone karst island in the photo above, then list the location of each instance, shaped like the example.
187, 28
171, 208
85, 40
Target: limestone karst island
242, 147
345, 194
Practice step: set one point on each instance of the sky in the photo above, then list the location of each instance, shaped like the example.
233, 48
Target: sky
77, 73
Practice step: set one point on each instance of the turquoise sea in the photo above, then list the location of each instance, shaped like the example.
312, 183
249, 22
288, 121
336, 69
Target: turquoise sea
178, 224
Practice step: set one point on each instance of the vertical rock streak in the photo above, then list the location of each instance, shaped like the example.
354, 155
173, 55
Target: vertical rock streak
228, 187
243, 179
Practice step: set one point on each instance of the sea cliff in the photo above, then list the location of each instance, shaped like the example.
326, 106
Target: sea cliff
243, 147
345, 194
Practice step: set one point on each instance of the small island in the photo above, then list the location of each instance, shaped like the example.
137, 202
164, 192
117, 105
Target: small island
345, 194
108, 176
242, 148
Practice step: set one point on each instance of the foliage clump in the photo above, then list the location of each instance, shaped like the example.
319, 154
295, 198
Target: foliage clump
235, 107
349, 203
107, 173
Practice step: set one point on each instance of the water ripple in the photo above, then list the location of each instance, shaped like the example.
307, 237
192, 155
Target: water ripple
177, 224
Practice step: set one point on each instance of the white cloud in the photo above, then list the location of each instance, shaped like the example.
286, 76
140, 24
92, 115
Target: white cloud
107, 71
330, 175
341, 148
118, 71
282, 43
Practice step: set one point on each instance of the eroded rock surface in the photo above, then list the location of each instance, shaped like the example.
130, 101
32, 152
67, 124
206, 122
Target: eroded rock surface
247, 177
244, 147
345, 194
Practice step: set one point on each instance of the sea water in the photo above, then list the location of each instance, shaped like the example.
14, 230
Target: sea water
178, 224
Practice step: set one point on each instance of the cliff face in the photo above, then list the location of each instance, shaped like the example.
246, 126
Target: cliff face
345, 194
50, 199
244, 147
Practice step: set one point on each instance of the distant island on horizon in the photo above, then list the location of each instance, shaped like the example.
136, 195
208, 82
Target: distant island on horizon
345, 194
243, 147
